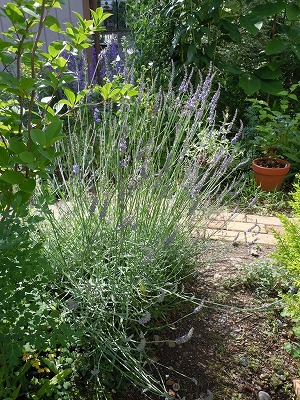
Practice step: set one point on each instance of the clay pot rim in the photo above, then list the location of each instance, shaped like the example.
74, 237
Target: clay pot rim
271, 171
279, 160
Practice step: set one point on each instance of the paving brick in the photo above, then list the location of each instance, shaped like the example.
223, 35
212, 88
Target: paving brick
234, 236
221, 234
245, 227
217, 224
226, 216
260, 219
262, 239
278, 229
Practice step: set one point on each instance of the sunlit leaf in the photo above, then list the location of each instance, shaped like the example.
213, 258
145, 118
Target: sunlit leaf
249, 83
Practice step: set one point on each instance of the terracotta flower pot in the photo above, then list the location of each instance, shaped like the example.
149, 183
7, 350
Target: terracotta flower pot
270, 179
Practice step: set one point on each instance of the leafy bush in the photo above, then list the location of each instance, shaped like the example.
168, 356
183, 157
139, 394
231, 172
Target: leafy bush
247, 40
277, 133
31, 320
265, 278
288, 254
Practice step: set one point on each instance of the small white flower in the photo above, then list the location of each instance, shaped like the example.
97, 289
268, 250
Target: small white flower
130, 51
118, 58
150, 64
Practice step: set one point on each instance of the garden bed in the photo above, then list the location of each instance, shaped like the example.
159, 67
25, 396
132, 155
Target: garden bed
237, 347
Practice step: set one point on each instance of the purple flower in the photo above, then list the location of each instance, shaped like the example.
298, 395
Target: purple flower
122, 145
96, 115
75, 169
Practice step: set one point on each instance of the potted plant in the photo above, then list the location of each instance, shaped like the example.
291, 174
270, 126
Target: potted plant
277, 141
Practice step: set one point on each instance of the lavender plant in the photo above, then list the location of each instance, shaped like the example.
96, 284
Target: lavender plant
134, 191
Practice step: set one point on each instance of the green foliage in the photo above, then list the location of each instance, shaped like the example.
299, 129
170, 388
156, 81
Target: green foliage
30, 125
195, 33
277, 133
29, 318
265, 278
288, 254
132, 189
256, 201
150, 34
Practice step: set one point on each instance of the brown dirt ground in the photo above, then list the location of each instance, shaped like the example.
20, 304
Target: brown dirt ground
234, 352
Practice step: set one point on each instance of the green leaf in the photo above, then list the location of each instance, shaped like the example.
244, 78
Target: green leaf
251, 23
16, 145
26, 84
30, 12
14, 13
105, 89
15, 394
292, 11
54, 49
275, 46
191, 52
50, 364
61, 376
70, 96
6, 58
60, 62
296, 330
38, 136
232, 29
27, 157
268, 9
28, 185
249, 83
4, 157
53, 132
266, 73
52, 23
12, 177
271, 87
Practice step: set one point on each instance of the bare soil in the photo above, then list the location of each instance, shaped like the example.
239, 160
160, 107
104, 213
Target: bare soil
237, 347
270, 163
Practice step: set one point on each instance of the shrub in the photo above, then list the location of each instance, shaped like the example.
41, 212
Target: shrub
288, 254
30, 127
137, 181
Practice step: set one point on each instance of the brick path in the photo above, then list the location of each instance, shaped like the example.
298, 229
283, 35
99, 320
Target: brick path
246, 228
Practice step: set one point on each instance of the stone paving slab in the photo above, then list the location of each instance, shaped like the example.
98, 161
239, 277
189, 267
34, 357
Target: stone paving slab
239, 237
241, 227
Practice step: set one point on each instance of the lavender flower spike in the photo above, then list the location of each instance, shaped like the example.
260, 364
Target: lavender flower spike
145, 318
199, 307
75, 169
185, 338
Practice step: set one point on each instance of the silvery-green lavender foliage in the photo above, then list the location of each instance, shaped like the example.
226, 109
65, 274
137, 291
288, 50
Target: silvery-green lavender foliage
135, 186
